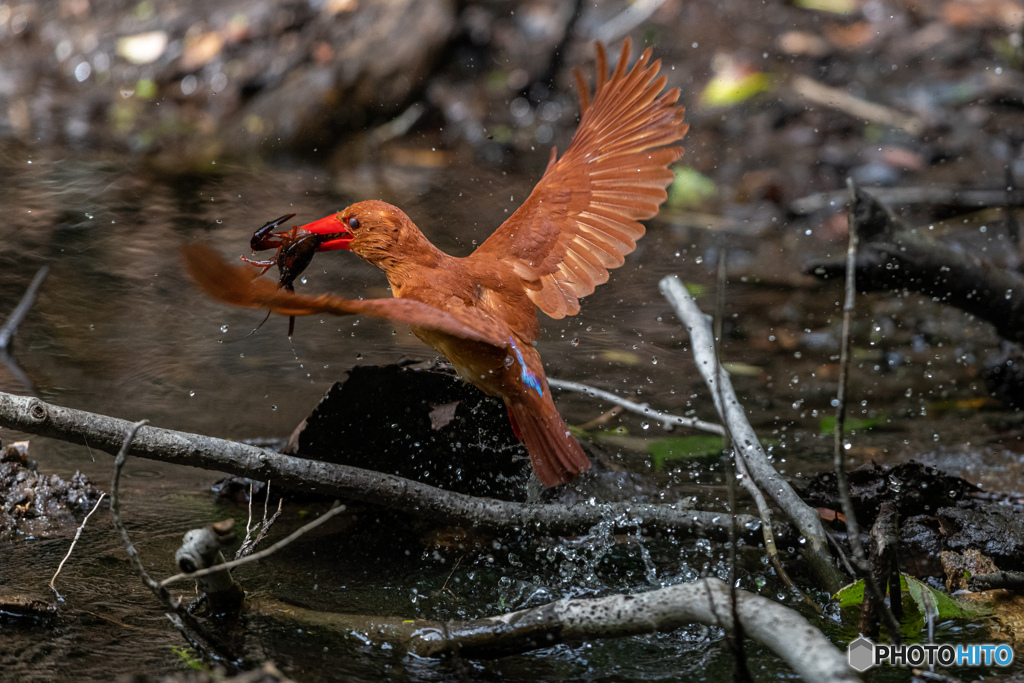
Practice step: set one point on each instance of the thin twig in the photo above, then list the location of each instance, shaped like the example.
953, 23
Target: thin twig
335, 510
450, 575
248, 522
115, 509
839, 450
77, 535
602, 419
188, 625
736, 641
667, 419
10, 327
249, 544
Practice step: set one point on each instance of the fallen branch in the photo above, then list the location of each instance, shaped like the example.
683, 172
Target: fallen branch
745, 439
955, 197
894, 257
706, 601
667, 419
425, 502
839, 99
1013, 581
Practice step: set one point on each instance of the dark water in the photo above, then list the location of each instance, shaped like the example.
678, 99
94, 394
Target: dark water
119, 330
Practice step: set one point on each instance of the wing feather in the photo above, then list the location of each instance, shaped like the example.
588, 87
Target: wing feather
241, 286
582, 217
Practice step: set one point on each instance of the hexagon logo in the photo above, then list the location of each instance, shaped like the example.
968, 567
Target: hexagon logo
861, 654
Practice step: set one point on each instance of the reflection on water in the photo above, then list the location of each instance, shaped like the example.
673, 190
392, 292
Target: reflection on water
118, 329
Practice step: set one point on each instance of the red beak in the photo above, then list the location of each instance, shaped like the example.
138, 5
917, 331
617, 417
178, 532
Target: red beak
332, 231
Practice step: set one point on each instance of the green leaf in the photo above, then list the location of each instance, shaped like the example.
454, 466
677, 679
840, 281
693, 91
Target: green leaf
687, 447
833, 6
942, 606
695, 290
742, 369
828, 424
732, 86
945, 606
690, 188
851, 595
145, 88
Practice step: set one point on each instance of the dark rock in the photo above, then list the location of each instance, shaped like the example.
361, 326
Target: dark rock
915, 488
36, 504
420, 422
993, 529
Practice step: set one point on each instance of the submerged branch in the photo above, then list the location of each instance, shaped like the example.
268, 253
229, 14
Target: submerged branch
298, 474
745, 439
706, 601
893, 256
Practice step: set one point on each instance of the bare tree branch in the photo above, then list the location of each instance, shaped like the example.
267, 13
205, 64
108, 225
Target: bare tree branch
426, 502
745, 439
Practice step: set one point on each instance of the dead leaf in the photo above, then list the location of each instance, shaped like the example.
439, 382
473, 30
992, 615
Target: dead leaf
851, 36
442, 415
802, 43
1008, 14
955, 564
201, 49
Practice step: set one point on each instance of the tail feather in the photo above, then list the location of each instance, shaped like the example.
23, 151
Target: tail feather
556, 455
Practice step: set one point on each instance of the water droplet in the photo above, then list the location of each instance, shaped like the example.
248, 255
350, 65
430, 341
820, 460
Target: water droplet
191, 393
645, 425
273, 407
302, 279
575, 341
224, 328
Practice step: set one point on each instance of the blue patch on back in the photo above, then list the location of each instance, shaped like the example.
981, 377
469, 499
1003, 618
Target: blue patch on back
529, 379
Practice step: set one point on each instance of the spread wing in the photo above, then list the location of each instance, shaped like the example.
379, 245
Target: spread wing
581, 218
242, 286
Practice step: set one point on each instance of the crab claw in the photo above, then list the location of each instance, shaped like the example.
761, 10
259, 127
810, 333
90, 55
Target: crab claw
265, 238
332, 232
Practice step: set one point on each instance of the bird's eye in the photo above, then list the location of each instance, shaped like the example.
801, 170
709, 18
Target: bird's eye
353, 223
